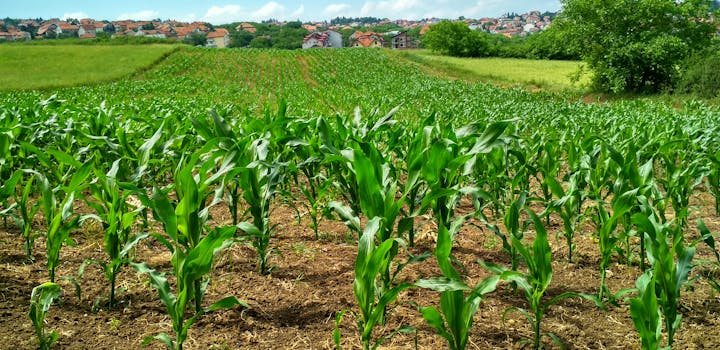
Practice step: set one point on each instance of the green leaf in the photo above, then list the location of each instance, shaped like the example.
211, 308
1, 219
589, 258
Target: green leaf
64, 158
161, 284
486, 141
165, 213
336, 331
435, 320
442, 284
346, 214
226, 303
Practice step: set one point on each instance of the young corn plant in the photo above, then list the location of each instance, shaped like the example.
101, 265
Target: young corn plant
7, 190
254, 176
535, 282
371, 298
671, 262
708, 238
548, 165
189, 266
514, 227
307, 172
185, 222
41, 299
681, 178
645, 312
412, 153
59, 216
27, 210
378, 200
333, 136
455, 318
567, 207
713, 179
607, 235
117, 217
24, 210
447, 163
261, 181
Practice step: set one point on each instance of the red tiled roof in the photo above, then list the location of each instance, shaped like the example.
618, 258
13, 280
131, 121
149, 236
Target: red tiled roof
218, 33
366, 41
67, 26
184, 31
246, 27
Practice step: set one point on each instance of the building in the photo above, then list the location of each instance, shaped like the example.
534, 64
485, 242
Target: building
326, 39
246, 27
220, 38
366, 39
403, 41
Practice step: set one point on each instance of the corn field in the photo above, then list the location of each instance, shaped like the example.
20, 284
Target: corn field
383, 207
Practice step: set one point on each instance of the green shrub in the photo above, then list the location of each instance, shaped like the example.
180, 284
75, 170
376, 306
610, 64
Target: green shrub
699, 74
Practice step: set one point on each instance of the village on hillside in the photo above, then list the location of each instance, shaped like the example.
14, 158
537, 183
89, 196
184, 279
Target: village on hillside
339, 32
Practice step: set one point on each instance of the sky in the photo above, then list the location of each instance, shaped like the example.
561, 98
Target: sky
221, 12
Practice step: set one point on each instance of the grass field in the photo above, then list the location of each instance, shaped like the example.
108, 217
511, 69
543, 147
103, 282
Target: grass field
43, 67
544, 74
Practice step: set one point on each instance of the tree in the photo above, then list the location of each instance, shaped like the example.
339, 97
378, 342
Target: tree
289, 38
261, 43
635, 45
551, 44
240, 38
196, 39
456, 39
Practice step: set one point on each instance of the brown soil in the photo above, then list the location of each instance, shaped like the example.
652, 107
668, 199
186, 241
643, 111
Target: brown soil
295, 306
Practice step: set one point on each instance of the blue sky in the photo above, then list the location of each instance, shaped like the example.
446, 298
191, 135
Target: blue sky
219, 12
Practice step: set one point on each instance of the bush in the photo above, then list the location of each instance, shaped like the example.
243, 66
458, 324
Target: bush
700, 74
635, 45
456, 39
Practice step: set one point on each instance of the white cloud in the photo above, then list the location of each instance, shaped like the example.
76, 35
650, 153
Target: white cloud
145, 15
224, 14
487, 8
336, 10
409, 9
297, 13
236, 13
75, 15
270, 10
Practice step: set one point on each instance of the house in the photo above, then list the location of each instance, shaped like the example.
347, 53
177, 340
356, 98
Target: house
87, 30
326, 39
246, 27
68, 29
403, 41
48, 30
184, 32
220, 38
366, 39
21, 35
5, 36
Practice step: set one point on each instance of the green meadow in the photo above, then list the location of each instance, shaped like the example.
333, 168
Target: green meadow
42, 67
533, 74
